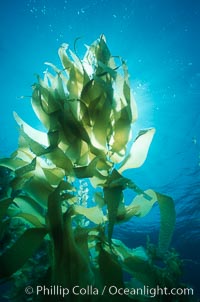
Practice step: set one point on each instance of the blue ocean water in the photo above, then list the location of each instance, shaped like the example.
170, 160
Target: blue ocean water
160, 42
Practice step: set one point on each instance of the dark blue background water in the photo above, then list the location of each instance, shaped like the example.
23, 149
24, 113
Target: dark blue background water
161, 42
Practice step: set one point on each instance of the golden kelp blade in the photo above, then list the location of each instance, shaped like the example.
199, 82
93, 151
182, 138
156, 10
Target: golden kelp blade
38, 189
30, 219
167, 221
27, 205
139, 150
12, 163
21, 250
94, 214
122, 131
38, 136
142, 204
113, 196
73, 70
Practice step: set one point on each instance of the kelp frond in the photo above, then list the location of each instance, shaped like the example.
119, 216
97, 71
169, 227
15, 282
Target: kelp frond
88, 111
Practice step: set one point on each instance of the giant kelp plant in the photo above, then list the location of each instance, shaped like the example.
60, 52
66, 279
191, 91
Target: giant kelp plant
51, 233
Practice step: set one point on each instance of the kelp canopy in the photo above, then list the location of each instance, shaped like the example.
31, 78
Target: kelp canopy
88, 111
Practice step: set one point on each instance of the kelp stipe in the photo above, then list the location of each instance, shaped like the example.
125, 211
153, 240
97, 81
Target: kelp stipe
88, 111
